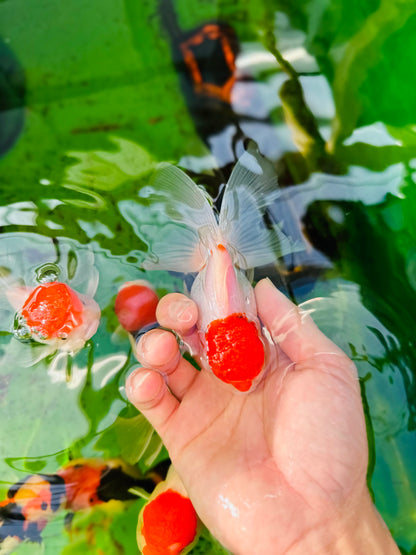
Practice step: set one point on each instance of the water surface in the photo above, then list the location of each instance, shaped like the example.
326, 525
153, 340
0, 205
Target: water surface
94, 95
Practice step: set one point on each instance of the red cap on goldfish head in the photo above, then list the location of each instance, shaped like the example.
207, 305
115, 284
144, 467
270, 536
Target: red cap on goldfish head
135, 305
235, 351
53, 310
169, 524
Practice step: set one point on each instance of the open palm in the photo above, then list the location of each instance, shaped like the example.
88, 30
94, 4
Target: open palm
265, 470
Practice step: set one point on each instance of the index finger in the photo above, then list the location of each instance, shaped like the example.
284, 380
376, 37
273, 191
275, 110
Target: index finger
180, 314
177, 312
290, 327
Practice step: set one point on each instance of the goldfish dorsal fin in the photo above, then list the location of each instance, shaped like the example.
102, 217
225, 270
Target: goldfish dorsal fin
178, 209
252, 187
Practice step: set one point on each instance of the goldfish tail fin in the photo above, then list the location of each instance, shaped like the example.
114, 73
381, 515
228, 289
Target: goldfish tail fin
251, 189
177, 209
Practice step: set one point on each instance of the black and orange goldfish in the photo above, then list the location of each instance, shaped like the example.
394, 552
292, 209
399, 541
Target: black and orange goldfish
33, 501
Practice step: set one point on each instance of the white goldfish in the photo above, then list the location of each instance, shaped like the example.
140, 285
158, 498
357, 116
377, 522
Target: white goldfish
220, 248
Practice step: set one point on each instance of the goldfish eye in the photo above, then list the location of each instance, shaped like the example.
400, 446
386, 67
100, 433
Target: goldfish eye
52, 310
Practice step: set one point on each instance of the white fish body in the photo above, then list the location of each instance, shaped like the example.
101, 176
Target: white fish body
220, 249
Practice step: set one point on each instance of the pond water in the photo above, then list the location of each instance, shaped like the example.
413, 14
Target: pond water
92, 96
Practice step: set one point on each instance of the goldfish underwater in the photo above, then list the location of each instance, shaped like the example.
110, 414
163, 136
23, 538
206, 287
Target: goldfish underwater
168, 523
135, 305
220, 248
32, 502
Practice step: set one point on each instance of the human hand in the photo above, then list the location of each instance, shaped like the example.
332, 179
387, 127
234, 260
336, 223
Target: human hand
281, 469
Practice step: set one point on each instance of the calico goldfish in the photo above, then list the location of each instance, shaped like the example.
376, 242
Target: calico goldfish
81, 484
190, 236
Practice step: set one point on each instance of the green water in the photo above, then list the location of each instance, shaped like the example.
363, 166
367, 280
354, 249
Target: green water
93, 94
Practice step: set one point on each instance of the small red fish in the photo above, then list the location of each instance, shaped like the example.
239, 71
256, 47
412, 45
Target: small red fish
90, 482
220, 249
54, 314
135, 305
168, 523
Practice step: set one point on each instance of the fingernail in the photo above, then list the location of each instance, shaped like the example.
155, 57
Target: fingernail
267, 282
135, 381
150, 341
144, 388
139, 378
182, 310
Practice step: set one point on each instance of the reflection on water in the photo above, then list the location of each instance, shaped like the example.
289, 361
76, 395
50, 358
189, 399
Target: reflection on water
383, 370
330, 104
12, 97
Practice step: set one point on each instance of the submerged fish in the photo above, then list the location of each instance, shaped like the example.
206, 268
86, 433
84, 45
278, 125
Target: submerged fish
32, 502
220, 248
135, 305
168, 523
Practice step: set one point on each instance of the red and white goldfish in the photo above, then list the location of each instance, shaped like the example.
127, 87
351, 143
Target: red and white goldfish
47, 291
220, 248
54, 314
168, 523
58, 316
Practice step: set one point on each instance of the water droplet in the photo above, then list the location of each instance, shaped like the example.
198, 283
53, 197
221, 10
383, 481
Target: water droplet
47, 273
336, 214
21, 330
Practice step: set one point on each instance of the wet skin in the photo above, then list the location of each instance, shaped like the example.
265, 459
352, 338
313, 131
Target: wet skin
281, 469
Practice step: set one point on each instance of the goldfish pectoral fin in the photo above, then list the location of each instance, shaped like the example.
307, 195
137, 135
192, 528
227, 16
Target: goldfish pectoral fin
177, 209
173, 247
